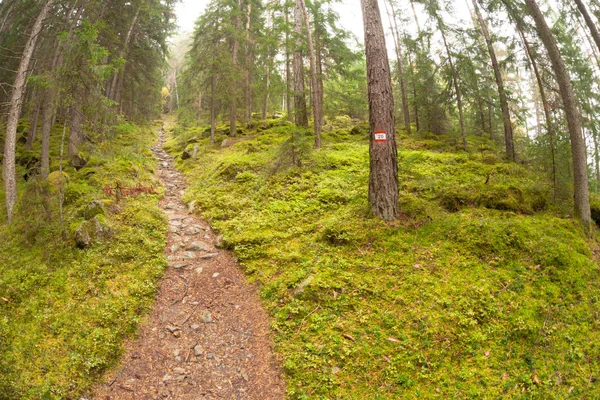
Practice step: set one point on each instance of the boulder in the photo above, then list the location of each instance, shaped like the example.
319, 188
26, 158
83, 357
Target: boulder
54, 178
78, 161
96, 229
95, 207
227, 143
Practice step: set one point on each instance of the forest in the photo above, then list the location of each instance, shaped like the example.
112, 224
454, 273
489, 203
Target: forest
287, 202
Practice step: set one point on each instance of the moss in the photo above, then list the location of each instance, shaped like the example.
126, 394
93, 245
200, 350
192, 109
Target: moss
495, 299
70, 310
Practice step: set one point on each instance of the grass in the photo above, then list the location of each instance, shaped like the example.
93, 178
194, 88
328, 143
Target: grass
64, 311
483, 289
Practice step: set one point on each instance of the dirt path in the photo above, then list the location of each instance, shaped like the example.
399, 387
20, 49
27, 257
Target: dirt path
207, 336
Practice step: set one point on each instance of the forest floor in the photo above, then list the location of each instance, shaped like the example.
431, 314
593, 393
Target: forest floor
207, 336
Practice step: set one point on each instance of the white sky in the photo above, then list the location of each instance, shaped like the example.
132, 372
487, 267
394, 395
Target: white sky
350, 15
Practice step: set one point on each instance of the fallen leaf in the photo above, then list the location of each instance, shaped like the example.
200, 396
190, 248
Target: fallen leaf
391, 339
335, 295
4, 299
349, 337
387, 359
417, 266
487, 353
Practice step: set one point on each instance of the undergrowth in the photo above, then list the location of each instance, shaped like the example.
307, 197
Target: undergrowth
64, 311
482, 289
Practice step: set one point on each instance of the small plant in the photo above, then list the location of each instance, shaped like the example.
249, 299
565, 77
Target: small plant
294, 152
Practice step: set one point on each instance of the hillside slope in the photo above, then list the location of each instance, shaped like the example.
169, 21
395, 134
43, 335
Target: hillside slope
481, 290
64, 310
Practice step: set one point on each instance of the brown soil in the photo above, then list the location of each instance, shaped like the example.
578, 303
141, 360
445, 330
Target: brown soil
208, 336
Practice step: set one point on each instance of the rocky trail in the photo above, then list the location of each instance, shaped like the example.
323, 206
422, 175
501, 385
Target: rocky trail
207, 336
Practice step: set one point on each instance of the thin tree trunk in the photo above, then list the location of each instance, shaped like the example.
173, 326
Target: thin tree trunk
578, 150
400, 61
313, 75
508, 130
288, 72
33, 124
76, 131
213, 119
176, 89
16, 104
545, 105
589, 22
247, 75
234, 60
319, 66
456, 85
300, 111
124, 50
596, 160
200, 107
383, 176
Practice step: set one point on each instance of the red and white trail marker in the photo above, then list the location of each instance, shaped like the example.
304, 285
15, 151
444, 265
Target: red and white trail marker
380, 136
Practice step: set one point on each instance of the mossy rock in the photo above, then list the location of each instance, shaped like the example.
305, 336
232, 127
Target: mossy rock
362, 129
54, 179
95, 207
96, 229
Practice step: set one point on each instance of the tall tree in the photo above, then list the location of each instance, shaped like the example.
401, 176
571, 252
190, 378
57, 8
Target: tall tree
508, 130
316, 102
16, 104
572, 114
383, 173
300, 112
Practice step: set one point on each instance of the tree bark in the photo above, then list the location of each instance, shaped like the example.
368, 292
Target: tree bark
300, 112
213, 119
248, 75
401, 77
288, 72
383, 171
313, 76
33, 124
508, 130
16, 104
578, 150
76, 130
234, 60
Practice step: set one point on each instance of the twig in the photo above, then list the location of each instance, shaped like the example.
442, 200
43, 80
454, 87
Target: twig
190, 316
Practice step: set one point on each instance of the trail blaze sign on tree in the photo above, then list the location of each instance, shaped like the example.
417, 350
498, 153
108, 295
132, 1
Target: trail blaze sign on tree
380, 136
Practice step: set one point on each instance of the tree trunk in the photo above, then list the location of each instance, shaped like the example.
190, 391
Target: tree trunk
234, 60
300, 112
248, 75
596, 160
213, 119
313, 76
33, 124
589, 22
76, 131
455, 78
383, 172
288, 72
508, 130
200, 107
16, 104
545, 105
401, 78
578, 150
113, 87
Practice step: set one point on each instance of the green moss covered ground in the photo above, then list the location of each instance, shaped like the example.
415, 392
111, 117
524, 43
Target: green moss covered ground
65, 311
483, 289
